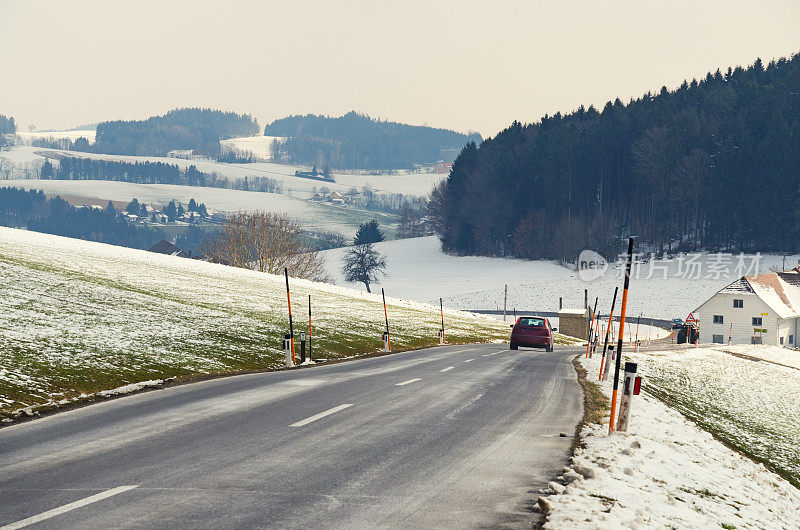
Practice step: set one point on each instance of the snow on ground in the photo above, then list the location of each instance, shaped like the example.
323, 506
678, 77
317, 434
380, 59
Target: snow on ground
772, 354
665, 472
26, 137
259, 146
312, 216
419, 184
419, 270
754, 406
81, 317
646, 332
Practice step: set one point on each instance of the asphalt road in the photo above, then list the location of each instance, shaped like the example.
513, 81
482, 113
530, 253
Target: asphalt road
455, 436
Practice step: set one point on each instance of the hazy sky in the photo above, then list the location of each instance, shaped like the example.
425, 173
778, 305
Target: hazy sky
455, 64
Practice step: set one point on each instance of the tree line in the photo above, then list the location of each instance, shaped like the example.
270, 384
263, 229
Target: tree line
75, 168
190, 128
7, 126
32, 210
356, 141
713, 164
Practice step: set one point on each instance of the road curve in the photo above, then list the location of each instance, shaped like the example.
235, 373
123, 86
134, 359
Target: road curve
454, 436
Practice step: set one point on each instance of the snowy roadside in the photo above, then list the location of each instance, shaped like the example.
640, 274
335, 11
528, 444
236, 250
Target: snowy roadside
664, 473
35, 410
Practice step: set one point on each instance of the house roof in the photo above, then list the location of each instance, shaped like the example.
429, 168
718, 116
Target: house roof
573, 311
779, 290
165, 247
739, 286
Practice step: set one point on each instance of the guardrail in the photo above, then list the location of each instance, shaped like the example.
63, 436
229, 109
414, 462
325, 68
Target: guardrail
660, 322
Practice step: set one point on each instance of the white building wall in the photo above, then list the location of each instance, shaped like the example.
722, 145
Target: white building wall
741, 318
786, 329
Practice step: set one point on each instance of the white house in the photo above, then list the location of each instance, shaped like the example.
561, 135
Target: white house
761, 309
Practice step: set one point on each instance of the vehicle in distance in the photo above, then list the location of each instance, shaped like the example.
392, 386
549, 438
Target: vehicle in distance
532, 332
677, 323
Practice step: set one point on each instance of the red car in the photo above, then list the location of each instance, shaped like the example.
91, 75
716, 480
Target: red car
532, 332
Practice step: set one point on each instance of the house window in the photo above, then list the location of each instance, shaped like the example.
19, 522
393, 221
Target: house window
738, 302
717, 319
781, 341
757, 340
791, 339
756, 321
716, 339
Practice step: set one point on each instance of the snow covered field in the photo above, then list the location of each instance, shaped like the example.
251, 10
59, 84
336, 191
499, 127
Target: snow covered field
419, 270
419, 184
312, 216
754, 406
81, 317
259, 146
665, 472
26, 137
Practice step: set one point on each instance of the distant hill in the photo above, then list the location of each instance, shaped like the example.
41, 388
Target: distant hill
713, 164
194, 128
356, 141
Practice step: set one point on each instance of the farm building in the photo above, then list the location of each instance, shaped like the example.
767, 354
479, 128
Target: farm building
186, 154
760, 309
165, 247
574, 322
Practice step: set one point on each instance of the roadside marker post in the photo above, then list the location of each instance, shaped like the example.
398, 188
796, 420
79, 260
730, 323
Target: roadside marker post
287, 350
302, 347
309, 326
603, 362
730, 331
630, 387
387, 341
505, 302
289, 301
591, 328
636, 341
628, 265
441, 333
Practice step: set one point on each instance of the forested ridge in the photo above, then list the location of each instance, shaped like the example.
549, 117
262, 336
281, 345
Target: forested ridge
713, 164
78, 168
191, 128
356, 141
32, 210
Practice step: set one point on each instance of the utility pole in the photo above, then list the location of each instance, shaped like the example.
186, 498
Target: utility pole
505, 301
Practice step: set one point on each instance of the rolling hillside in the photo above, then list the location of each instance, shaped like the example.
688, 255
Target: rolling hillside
80, 318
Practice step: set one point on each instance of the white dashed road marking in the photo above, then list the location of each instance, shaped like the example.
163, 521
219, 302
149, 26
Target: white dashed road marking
67, 508
315, 417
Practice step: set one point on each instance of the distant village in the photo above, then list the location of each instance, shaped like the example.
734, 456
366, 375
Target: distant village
173, 213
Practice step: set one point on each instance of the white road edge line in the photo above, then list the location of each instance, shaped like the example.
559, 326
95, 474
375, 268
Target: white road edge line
495, 353
469, 360
67, 507
447, 369
408, 382
315, 417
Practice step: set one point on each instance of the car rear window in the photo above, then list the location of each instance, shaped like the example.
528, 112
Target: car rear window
531, 322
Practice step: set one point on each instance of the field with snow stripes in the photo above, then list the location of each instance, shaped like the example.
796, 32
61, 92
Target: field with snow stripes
752, 405
401, 181
666, 472
81, 317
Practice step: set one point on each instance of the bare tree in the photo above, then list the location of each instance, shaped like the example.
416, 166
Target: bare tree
362, 263
265, 242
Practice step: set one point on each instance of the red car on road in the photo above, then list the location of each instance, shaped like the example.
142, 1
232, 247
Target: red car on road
533, 332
